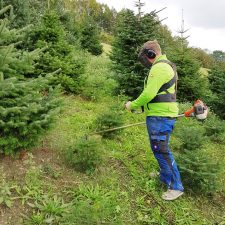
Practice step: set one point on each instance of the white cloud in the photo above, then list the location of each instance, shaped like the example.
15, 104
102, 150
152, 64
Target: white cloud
204, 18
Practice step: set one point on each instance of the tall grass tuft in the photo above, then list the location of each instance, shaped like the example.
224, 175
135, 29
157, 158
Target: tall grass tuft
93, 205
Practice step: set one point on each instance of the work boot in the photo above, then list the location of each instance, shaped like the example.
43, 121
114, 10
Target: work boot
171, 194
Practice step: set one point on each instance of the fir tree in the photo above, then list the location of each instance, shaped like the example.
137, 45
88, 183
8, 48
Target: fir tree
90, 38
217, 86
191, 85
13, 60
27, 106
198, 170
25, 11
218, 56
22, 12
27, 111
131, 33
59, 54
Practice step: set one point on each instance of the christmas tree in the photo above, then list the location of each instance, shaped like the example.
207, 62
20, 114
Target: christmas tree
58, 53
90, 38
27, 106
131, 33
189, 76
198, 170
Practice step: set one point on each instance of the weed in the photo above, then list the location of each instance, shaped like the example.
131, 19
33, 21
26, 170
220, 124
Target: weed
50, 209
35, 219
6, 194
47, 169
29, 161
149, 214
93, 205
100, 84
33, 187
47, 210
6, 197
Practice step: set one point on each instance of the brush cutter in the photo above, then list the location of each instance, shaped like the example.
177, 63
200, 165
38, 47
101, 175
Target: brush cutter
199, 110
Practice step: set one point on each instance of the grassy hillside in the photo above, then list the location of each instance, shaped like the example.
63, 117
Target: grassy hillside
41, 187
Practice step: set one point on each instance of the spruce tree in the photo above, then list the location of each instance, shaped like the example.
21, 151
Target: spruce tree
14, 61
198, 170
58, 53
217, 86
131, 33
218, 56
25, 11
191, 84
22, 12
90, 38
27, 106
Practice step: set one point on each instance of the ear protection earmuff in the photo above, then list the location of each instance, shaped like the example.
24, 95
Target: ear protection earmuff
149, 53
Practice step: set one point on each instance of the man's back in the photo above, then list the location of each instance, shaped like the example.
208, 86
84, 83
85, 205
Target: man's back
159, 74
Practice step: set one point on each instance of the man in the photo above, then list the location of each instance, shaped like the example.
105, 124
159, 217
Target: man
159, 102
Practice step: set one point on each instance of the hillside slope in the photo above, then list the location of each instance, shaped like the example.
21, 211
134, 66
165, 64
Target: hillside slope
44, 189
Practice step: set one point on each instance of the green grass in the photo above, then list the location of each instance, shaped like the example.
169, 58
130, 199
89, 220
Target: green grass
119, 191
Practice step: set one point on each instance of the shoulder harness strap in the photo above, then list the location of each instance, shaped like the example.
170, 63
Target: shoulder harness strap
168, 97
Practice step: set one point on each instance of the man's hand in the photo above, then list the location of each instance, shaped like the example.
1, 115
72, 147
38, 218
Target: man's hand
128, 105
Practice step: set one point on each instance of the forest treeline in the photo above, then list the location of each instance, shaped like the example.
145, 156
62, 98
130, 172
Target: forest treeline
43, 53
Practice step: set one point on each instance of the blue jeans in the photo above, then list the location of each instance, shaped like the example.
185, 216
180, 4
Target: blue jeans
159, 131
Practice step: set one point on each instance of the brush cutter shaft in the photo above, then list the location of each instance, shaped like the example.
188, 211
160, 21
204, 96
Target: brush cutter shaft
199, 111
126, 126
118, 128
180, 115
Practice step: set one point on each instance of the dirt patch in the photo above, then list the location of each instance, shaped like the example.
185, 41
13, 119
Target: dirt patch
54, 172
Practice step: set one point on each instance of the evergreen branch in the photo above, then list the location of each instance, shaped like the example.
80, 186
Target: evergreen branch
163, 19
197, 173
1, 76
55, 72
25, 28
8, 51
198, 163
160, 10
5, 9
17, 43
3, 24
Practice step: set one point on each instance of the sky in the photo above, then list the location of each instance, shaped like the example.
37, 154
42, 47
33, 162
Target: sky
205, 19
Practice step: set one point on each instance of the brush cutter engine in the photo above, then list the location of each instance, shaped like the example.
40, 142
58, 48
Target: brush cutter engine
198, 110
